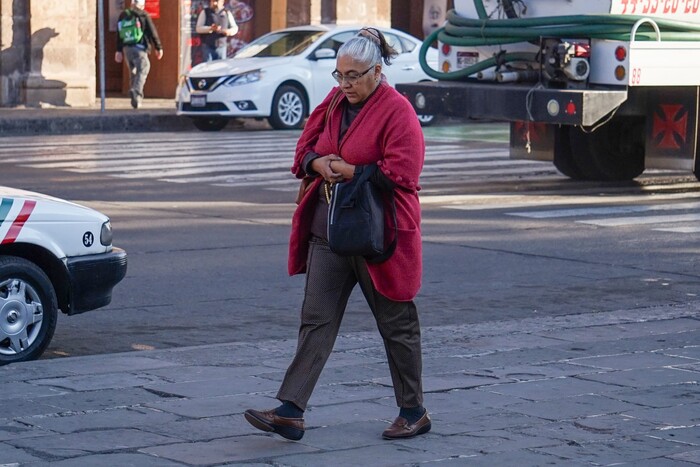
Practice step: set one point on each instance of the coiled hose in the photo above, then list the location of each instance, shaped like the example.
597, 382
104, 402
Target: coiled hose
466, 32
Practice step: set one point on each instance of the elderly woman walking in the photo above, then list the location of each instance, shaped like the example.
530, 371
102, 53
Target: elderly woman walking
362, 122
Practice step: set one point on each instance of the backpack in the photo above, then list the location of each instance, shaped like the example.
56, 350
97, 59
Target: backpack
130, 29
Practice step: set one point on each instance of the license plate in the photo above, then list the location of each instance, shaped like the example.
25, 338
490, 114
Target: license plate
198, 101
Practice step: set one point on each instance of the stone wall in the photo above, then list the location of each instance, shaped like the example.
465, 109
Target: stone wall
47, 53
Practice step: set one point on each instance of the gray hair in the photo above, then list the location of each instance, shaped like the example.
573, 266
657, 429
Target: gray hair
368, 46
362, 50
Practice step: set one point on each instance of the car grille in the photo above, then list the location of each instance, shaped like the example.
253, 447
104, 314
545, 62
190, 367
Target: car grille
203, 84
210, 107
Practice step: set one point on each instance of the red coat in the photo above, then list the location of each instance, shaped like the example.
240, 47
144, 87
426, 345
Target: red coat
387, 132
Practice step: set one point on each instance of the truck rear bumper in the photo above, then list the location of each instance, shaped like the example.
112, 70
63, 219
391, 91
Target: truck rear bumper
92, 279
512, 102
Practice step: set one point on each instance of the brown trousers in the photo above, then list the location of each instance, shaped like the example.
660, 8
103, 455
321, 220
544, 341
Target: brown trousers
329, 281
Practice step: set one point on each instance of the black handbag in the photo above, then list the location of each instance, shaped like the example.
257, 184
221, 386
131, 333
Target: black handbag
356, 218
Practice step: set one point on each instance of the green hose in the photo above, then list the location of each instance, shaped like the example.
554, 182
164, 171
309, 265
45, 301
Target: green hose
466, 32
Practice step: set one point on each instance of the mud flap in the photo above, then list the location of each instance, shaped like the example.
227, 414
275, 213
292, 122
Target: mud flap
671, 129
532, 141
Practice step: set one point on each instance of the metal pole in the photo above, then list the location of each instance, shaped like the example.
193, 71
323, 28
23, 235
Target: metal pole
101, 41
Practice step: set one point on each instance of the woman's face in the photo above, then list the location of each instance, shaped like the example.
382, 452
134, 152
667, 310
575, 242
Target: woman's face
357, 90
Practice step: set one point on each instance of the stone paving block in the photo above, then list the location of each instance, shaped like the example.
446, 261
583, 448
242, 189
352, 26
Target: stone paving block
522, 458
228, 450
619, 346
459, 422
114, 460
79, 444
616, 425
216, 387
338, 414
630, 361
27, 371
556, 388
540, 371
567, 431
480, 442
658, 462
113, 418
688, 456
572, 408
643, 378
98, 381
12, 456
185, 374
335, 393
389, 454
684, 434
691, 351
25, 407
466, 400
95, 400
349, 374
614, 451
203, 429
678, 415
214, 406
449, 382
499, 359
10, 429
22, 390
661, 396
113, 363
350, 435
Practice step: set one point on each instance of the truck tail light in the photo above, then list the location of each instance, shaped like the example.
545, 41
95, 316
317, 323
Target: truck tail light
620, 53
582, 50
446, 66
446, 49
620, 72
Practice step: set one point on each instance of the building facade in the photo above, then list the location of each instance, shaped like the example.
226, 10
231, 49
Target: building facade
50, 49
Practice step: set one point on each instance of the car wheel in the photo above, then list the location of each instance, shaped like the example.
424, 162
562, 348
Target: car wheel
210, 123
288, 109
426, 120
28, 310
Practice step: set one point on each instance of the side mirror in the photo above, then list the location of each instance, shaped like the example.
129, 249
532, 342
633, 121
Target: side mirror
322, 54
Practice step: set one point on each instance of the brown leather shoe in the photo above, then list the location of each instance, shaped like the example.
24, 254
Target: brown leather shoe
400, 429
268, 420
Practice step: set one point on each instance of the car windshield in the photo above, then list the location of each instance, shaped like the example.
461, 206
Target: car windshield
280, 44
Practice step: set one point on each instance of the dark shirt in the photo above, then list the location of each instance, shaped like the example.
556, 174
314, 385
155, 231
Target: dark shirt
150, 34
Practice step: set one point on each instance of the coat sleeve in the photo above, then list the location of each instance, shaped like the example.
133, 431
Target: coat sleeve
312, 131
403, 146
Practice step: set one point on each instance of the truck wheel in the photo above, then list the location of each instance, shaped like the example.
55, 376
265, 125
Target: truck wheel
28, 310
210, 123
563, 157
288, 108
615, 151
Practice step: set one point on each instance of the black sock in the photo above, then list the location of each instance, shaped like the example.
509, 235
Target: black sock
289, 410
412, 414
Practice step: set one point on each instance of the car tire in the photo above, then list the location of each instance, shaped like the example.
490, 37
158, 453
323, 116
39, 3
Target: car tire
210, 123
289, 108
28, 310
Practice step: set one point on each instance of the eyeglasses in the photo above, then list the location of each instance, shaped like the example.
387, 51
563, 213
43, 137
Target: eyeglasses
351, 78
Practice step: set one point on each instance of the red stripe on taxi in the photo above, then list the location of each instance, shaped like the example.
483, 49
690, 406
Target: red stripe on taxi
17, 225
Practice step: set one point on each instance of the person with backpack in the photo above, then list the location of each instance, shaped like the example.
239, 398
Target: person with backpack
215, 25
136, 35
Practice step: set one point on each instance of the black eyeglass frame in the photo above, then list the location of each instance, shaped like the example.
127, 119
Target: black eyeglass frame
352, 80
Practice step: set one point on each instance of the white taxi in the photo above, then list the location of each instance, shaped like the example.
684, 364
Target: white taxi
54, 255
283, 75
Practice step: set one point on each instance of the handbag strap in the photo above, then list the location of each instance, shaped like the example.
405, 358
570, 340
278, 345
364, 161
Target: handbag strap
333, 104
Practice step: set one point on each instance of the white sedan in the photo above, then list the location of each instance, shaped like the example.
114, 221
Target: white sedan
54, 255
282, 75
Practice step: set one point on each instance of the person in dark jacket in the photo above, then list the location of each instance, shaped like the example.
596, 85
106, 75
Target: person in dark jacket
136, 47
215, 25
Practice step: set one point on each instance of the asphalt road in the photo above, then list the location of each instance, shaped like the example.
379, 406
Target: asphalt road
205, 221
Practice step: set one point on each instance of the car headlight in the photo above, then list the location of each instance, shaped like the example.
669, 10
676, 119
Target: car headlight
244, 78
106, 234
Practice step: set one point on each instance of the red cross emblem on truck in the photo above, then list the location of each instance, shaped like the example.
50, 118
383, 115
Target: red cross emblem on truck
672, 125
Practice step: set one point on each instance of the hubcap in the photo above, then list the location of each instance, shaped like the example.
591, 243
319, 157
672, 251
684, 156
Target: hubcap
290, 108
21, 315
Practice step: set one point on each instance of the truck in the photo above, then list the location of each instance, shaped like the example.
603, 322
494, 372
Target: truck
602, 88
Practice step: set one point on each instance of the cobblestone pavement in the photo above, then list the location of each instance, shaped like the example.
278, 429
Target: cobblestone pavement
608, 388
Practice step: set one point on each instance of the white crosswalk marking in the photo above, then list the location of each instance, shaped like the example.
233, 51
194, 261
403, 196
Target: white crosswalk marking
262, 159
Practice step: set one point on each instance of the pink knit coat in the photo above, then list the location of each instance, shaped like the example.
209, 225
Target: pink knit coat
387, 132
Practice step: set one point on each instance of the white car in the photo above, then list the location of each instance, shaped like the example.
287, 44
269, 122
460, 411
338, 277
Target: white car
53, 255
283, 75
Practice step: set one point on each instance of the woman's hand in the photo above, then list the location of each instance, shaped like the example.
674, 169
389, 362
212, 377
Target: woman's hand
322, 166
346, 170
